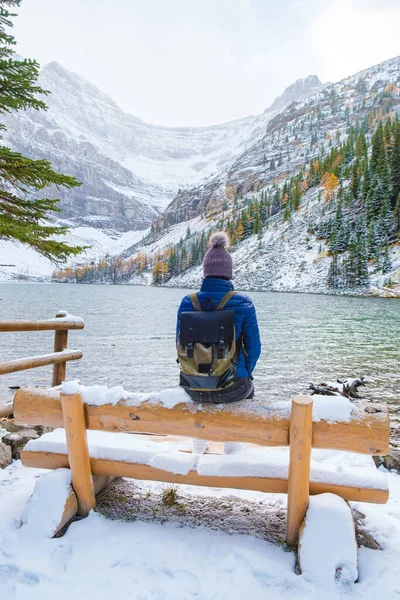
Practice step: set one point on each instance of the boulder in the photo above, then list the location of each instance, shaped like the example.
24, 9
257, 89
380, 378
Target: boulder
390, 461
5, 456
17, 441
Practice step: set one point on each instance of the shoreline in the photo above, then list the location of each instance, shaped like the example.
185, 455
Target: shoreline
386, 293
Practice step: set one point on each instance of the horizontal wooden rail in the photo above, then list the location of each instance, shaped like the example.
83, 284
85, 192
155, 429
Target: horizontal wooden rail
48, 460
367, 433
50, 325
22, 364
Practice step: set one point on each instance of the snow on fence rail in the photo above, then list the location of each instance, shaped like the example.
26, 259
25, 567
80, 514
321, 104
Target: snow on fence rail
268, 424
61, 324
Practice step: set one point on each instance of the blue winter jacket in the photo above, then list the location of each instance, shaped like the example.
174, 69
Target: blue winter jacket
246, 325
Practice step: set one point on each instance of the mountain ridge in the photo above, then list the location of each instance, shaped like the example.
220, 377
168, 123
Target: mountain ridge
130, 169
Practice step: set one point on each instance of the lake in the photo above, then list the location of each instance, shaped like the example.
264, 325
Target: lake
129, 338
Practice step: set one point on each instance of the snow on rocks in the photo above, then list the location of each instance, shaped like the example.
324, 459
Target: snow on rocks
328, 547
44, 510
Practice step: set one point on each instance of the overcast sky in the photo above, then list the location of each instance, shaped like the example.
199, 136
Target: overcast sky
200, 62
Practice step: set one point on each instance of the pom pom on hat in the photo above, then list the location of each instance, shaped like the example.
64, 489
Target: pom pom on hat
219, 240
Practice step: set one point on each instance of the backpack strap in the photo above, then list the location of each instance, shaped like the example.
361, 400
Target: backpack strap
226, 299
195, 302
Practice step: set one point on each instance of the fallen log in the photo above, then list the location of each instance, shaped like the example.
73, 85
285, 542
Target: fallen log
342, 387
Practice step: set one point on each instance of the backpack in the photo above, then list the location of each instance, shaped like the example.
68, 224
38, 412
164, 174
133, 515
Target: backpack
207, 350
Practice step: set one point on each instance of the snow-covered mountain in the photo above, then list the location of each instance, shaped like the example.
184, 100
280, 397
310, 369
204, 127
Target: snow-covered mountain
288, 255
292, 137
130, 169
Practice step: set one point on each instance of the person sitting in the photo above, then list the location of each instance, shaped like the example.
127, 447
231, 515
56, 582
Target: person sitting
218, 340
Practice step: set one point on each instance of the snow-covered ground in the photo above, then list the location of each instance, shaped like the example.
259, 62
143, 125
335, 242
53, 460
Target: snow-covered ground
24, 262
160, 559
103, 558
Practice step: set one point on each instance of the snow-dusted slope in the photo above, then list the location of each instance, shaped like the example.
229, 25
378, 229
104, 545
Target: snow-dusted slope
290, 139
19, 262
287, 257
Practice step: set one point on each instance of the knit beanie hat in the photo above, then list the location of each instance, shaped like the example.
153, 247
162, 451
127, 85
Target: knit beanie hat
217, 261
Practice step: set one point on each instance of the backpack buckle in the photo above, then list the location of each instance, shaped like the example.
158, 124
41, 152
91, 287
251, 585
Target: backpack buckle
221, 343
190, 350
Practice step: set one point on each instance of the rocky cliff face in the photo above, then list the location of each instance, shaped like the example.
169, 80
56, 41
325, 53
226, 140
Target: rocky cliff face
130, 170
210, 196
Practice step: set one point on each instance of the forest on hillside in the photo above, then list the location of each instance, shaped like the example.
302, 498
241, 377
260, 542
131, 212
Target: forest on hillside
358, 179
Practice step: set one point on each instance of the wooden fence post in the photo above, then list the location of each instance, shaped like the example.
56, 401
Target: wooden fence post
78, 453
300, 437
60, 343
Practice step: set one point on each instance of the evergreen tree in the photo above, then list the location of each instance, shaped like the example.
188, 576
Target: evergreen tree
339, 235
334, 275
194, 254
362, 261
263, 213
202, 246
378, 149
257, 228
25, 211
287, 212
183, 263
372, 247
396, 213
395, 164
351, 263
366, 181
356, 266
386, 216
387, 135
355, 179
387, 262
361, 146
375, 198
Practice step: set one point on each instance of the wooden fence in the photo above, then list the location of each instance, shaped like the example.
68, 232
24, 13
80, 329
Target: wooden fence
58, 358
365, 432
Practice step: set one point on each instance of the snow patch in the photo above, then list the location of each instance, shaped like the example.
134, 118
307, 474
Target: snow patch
44, 510
70, 387
331, 408
328, 548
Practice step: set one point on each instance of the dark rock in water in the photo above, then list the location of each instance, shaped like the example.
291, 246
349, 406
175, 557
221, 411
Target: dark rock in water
390, 461
343, 387
5, 456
